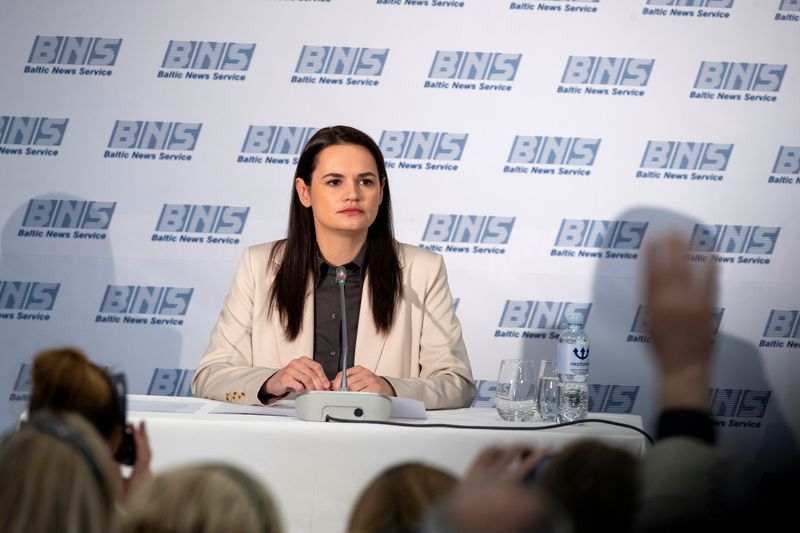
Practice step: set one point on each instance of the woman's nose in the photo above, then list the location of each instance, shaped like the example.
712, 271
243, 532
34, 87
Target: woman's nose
352, 191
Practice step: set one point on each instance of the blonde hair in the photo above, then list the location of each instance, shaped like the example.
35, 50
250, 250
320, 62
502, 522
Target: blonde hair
399, 497
202, 499
57, 475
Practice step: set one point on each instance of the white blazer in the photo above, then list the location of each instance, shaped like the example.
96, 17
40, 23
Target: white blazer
423, 356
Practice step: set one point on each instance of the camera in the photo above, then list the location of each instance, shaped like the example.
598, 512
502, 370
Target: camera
126, 452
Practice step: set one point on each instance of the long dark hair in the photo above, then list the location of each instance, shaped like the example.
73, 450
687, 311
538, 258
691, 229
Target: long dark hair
296, 253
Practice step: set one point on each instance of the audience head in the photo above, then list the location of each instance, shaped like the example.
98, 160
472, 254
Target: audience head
500, 507
57, 475
596, 484
202, 499
495, 496
65, 380
398, 498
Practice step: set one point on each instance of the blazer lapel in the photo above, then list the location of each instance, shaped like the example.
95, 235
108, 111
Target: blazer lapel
369, 342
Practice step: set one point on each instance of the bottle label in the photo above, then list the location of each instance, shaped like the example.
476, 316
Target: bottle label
573, 358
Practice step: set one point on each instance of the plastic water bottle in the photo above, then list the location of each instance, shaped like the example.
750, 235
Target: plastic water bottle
573, 370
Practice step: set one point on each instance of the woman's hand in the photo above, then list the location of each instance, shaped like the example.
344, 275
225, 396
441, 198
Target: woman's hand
360, 379
300, 375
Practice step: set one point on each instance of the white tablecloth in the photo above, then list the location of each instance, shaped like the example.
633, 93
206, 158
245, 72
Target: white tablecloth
316, 470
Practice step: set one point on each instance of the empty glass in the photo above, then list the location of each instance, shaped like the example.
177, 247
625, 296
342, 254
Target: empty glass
547, 390
516, 390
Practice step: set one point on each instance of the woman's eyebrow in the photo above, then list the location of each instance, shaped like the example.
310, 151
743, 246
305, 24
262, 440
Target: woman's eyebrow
337, 175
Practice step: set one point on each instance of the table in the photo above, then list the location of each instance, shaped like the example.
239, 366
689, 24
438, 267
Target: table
316, 470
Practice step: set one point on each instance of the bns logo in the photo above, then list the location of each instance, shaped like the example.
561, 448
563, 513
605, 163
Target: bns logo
486, 394
640, 320
74, 50
154, 135
594, 70
692, 3
739, 403
623, 234
731, 76
468, 228
132, 299
202, 218
276, 139
171, 382
574, 151
474, 65
37, 131
24, 381
783, 323
342, 60
204, 55
68, 214
531, 314
602, 398
686, 155
734, 239
29, 295
423, 145
612, 398
788, 160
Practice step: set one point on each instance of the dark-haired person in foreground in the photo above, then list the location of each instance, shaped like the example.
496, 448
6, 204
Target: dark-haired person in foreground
66, 381
279, 329
397, 499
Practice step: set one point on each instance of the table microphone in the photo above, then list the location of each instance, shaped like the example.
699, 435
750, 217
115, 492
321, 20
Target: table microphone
341, 277
318, 405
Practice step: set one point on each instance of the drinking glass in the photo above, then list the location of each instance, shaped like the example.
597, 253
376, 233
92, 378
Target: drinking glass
516, 390
547, 390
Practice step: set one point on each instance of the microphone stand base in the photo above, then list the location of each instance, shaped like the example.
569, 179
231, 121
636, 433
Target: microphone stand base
315, 406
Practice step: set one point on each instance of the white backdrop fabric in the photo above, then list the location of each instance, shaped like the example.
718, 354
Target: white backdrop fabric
536, 145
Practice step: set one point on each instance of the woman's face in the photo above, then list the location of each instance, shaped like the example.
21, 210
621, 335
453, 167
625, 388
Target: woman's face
345, 191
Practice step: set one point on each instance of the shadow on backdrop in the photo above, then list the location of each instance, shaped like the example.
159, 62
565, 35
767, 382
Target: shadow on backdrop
763, 457
83, 269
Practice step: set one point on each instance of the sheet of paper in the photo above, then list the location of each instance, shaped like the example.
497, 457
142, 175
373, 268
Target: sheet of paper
148, 406
408, 408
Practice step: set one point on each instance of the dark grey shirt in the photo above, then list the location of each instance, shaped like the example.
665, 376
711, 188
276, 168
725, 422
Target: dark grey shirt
327, 312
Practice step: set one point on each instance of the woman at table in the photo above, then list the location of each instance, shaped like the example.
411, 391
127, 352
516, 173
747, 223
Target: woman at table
279, 329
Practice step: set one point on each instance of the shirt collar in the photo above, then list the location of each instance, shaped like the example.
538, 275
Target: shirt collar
357, 263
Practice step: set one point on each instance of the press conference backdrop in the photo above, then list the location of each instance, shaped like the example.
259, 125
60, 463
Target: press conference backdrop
535, 145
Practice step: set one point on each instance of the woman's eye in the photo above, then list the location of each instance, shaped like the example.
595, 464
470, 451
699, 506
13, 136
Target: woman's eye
367, 181
334, 183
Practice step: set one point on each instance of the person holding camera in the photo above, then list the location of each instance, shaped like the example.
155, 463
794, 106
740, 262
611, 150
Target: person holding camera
64, 380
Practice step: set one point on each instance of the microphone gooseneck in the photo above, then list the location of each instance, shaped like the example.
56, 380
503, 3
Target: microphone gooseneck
341, 277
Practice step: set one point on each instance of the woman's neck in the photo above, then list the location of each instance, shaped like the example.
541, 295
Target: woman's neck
340, 249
